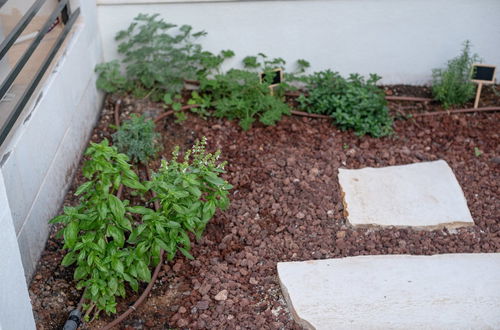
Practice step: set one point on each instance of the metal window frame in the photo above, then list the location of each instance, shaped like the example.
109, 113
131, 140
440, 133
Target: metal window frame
62, 8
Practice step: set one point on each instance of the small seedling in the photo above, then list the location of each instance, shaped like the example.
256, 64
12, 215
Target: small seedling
137, 138
345, 146
477, 152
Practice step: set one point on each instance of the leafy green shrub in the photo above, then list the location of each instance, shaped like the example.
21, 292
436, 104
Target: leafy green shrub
239, 94
452, 86
353, 103
157, 58
113, 242
262, 64
110, 79
136, 137
189, 193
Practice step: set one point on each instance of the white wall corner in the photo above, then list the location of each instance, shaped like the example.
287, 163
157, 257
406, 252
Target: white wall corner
15, 306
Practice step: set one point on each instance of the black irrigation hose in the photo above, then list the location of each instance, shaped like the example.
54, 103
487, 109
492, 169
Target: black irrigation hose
74, 320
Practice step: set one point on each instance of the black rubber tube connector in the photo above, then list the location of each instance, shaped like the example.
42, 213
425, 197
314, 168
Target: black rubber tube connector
74, 320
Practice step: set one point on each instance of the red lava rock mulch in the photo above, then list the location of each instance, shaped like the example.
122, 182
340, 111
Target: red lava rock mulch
286, 206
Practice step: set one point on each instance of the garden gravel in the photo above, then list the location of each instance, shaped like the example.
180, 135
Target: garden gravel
286, 205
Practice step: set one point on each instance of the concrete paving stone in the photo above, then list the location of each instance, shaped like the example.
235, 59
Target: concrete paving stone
423, 195
449, 291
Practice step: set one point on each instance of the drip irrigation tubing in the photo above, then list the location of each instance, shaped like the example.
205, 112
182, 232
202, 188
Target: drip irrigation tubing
169, 112
408, 98
311, 115
453, 111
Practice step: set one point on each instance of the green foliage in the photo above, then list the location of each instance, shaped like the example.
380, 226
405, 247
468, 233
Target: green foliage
452, 86
262, 63
189, 192
239, 94
302, 66
477, 152
175, 102
157, 57
136, 137
110, 79
353, 103
113, 242
95, 231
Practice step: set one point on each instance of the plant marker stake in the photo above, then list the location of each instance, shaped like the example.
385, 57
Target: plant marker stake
478, 95
482, 74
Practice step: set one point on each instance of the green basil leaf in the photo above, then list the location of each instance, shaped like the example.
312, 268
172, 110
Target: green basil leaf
172, 224
83, 188
143, 271
113, 284
124, 223
161, 244
117, 235
139, 210
94, 290
117, 266
68, 259
80, 272
116, 206
194, 190
134, 184
102, 208
133, 284
186, 253
71, 234
214, 179
60, 218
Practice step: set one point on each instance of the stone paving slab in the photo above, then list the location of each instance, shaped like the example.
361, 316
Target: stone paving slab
422, 195
449, 291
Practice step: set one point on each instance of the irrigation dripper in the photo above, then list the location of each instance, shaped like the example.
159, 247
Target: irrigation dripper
74, 320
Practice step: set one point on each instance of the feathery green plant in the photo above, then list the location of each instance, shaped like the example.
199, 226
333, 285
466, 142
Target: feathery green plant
452, 86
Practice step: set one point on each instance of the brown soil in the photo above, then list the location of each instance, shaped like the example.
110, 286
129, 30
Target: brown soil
286, 206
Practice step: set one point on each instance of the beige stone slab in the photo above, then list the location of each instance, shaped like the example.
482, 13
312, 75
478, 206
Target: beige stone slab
423, 195
450, 291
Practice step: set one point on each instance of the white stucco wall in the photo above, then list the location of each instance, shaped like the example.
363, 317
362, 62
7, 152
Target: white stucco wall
401, 40
39, 158
15, 307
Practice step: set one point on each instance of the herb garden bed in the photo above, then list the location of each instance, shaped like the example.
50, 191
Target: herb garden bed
134, 209
286, 206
